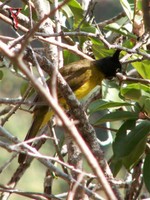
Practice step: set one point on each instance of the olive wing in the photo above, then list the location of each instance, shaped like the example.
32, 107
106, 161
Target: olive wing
77, 73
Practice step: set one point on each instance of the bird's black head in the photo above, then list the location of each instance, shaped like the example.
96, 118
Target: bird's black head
110, 65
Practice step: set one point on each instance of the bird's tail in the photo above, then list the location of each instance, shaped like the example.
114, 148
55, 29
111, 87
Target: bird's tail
38, 123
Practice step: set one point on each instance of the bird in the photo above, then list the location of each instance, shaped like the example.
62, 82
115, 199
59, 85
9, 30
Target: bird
82, 76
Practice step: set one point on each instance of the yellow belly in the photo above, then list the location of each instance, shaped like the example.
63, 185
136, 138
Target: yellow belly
84, 90
88, 86
80, 93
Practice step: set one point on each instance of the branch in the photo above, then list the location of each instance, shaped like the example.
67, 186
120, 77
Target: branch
132, 79
70, 127
146, 13
14, 109
42, 159
23, 20
74, 49
113, 19
32, 195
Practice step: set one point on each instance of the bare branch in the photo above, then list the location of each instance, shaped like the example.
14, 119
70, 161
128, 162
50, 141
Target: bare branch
146, 12
67, 123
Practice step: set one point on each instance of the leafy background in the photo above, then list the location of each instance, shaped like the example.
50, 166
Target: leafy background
127, 144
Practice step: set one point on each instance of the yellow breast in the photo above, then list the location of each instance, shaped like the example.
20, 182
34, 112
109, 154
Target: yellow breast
95, 79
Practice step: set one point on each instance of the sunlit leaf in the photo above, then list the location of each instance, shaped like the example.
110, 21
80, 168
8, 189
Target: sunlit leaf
77, 12
143, 68
70, 57
134, 91
67, 11
98, 48
127, 8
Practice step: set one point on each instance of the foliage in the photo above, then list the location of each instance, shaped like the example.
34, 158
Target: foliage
126, 102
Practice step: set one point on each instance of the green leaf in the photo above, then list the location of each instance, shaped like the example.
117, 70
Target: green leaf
139, 93
77, 11
131, 93
88, 29
139, 5
121, 30
25, 11
99, 49
117, 116
144, 102
67, 11
116, 163
127, 8
143, 68
130, 160
110, 91
103, 104
70, 57
129, 141
115, 166
146, 171
135, 91
121, 135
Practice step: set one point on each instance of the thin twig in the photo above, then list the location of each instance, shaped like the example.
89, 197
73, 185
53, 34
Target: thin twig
36, 27
122, 77
67, 123
57, 147
110, 46
8, 162
37, 196
113, 19
65, 46
17, 101
9, 21
3, 4
14, 109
